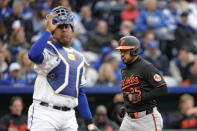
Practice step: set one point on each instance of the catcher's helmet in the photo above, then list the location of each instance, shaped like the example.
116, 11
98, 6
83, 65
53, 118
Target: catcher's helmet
65, 16
130, 43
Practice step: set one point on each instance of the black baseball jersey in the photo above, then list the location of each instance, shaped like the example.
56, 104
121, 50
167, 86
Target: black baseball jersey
15, 122
141, 77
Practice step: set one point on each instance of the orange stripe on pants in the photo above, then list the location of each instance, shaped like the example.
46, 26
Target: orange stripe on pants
154, 121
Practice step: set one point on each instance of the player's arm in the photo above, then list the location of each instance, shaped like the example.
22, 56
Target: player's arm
84, 110
83, 106
36, 52
156, 92
157, 83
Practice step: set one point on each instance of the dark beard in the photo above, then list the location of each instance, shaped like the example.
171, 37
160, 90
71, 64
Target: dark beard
132, 60
128, 61
64, 44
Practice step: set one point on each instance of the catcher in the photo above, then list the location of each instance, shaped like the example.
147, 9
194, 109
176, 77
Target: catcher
59, 84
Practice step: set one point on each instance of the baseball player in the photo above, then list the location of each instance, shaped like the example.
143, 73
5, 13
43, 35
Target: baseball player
141, 84
60, 70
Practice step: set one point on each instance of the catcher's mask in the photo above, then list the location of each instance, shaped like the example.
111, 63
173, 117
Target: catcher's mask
65, 16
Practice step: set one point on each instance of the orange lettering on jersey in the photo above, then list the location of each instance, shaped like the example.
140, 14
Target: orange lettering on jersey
128, 81
122, 82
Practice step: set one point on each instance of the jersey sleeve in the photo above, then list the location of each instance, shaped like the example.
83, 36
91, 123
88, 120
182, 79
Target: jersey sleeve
36, 51
50, 61
83, 80
154, 77
155, 81
83, 105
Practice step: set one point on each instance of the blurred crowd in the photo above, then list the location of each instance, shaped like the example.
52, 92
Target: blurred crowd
186, 115
105, 120
167, 30
106, 117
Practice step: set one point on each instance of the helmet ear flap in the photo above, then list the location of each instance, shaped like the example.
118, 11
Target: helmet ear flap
133, 52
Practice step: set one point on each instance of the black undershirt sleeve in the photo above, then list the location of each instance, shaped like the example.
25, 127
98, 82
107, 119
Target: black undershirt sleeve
154, 93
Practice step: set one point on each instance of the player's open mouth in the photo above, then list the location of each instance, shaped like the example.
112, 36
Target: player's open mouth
64, 36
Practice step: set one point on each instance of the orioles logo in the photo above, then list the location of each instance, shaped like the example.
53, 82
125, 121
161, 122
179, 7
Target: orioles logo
122, 42
157, 77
